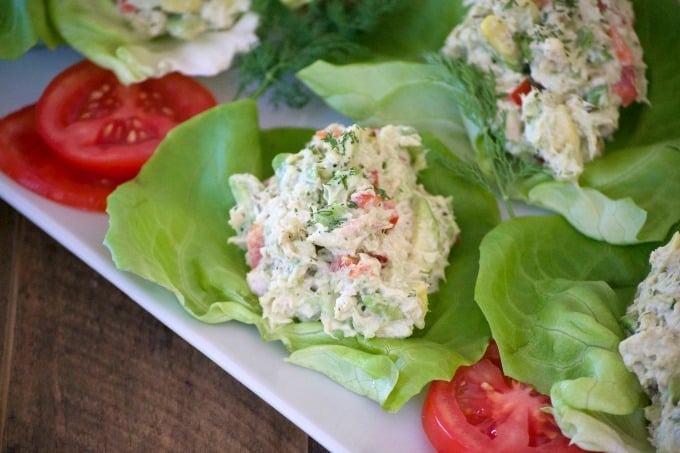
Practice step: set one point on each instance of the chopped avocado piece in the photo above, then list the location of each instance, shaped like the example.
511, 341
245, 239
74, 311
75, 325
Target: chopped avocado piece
426, 233
377, 303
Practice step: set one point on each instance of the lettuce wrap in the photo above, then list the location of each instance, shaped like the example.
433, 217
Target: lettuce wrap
284, 40
554, 300
23, 25
96, 29
627, 196
175, 234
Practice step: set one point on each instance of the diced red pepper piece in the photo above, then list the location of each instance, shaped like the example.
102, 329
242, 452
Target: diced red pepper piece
391, 206
625, 87
621, 49
522, 89
365, 199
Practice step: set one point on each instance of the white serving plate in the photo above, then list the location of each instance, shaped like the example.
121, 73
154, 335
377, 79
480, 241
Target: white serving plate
337, 418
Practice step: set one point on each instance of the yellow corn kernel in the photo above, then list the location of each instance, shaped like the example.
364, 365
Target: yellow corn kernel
497, 33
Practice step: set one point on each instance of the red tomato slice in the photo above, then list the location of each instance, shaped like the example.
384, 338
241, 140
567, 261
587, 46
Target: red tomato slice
25, 158
481, 410
97, 124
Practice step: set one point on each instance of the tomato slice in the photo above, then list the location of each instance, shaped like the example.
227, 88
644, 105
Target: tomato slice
26, 159
481, 410
94, 122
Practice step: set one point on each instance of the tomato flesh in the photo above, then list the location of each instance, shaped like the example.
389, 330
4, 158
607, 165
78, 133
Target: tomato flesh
482, 410
26, 159
103, 127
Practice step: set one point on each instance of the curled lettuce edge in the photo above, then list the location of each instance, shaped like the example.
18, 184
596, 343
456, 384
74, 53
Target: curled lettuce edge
95, 29
25, 24
176, 236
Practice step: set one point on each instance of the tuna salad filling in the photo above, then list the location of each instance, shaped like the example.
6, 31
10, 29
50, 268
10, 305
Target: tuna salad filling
652, 352
343, 233
182, 19
562, 70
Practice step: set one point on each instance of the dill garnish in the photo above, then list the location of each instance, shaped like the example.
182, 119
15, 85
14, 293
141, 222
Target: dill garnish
493, 167
329, 30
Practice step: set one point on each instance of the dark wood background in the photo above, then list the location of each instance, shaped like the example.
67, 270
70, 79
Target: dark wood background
84, 368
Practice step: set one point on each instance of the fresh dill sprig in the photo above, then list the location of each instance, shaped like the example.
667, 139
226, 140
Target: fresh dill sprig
290, 39
493, 167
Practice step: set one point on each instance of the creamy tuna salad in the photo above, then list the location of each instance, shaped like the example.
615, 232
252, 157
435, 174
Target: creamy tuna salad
562, 69
652, 352
343, 233
182, 19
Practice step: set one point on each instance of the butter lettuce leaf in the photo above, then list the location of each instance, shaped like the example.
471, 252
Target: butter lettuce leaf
656, 25
419, 27
175, 234
592, 212
627, 196
622, 198
24, 24
375, 94
95, 29
553, 299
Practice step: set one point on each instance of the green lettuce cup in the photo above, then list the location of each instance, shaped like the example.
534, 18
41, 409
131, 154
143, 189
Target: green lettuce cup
170, 226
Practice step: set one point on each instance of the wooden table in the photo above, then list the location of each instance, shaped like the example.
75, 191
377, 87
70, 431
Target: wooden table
84, 368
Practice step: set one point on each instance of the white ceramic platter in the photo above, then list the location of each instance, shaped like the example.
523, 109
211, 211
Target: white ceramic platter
335, 417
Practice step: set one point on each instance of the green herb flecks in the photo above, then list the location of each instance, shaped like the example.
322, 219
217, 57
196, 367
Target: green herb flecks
524, 42
568, 3
584, 39
330, 217
340, 176
493, 169
595, 95
292, 39
339, 143
382, 194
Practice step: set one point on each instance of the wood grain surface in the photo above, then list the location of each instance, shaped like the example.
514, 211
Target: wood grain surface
84, 368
